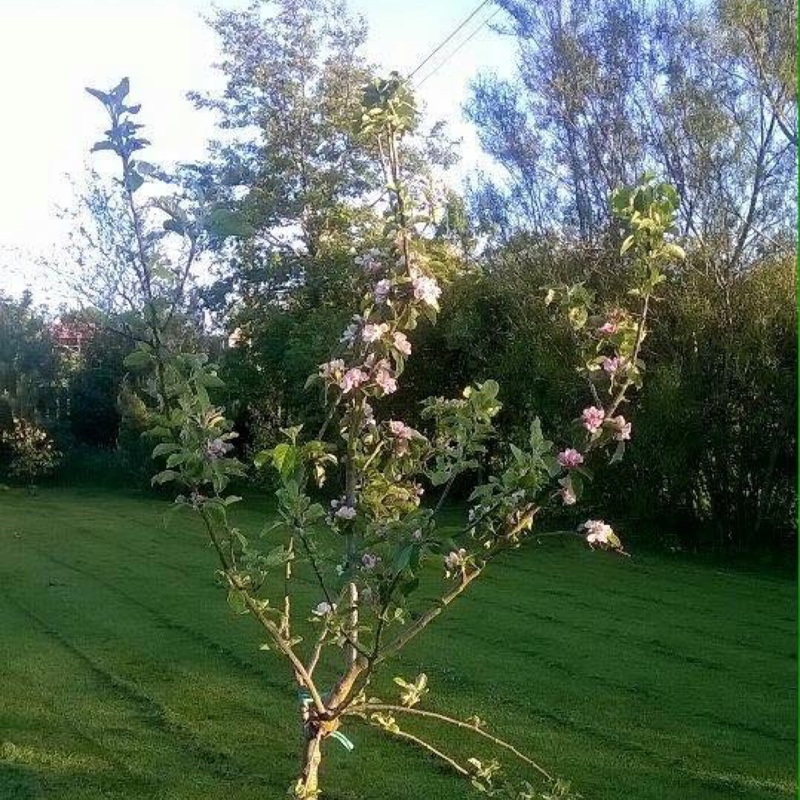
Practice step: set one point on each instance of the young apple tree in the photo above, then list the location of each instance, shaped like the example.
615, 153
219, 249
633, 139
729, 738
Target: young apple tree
371, 548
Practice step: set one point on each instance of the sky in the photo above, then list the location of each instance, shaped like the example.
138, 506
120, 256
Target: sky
51, 49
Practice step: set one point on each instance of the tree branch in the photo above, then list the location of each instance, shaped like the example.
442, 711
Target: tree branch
451, 721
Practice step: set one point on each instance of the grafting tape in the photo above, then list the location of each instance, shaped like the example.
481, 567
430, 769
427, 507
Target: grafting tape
305, 700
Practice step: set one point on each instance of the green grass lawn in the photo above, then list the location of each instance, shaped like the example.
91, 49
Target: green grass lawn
125, 675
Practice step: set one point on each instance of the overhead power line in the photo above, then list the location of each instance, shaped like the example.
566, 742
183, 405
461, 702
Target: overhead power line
462, 44
443, 43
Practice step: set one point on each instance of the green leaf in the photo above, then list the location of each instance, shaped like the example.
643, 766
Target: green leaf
284, 458
224, 222
578, 315
120, 91
618, 453
165, 476
211, 381
276, 557
627, 244
176, 459
237, 602
490, 389
165, 448
145, 168
261, 458
174, 226
674, 251
134, 181
539, 445
101, 96
429, 312
408, 587
439, 477
402, 558
138, 359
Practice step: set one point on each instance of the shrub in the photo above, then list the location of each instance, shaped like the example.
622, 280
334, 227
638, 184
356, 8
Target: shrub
33, 454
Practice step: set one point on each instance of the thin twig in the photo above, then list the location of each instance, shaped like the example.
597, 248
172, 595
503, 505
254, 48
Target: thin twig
452, 721
422, 622
425, 746
257, 611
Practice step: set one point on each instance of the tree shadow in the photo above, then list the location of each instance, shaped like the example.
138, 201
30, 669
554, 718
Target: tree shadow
19, 783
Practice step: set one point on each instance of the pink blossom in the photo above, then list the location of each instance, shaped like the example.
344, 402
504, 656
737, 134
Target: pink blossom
384, 377
402, 344
351, 331
608, 328
613, 365
352, 379
367, 415
400, 429
370, 561
386, 382
568, 497
333, 369
372, 332
345, 512
323, 609
403, 434
570, 458
621, 428
217, 448
349, 335
382, 289
592, 418
426, 289
370, 262
598, 533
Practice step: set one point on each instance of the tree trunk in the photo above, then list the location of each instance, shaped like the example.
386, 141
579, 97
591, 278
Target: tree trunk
307, 786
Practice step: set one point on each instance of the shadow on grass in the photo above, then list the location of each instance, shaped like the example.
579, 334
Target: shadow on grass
18, 783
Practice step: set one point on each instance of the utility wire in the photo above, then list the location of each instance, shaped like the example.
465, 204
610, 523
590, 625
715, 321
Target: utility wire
442, 44
464, 42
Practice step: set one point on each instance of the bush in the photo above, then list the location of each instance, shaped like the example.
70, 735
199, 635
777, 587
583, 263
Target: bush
716, 449
33, 454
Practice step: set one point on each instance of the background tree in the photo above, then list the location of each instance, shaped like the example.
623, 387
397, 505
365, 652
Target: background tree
606, 88
29, 360
293, 166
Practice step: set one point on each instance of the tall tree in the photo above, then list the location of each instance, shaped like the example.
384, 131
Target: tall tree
294, 72
291, 160
606, 88
564, 128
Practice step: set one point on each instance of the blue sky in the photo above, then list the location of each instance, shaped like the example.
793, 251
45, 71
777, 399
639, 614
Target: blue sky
51, 49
